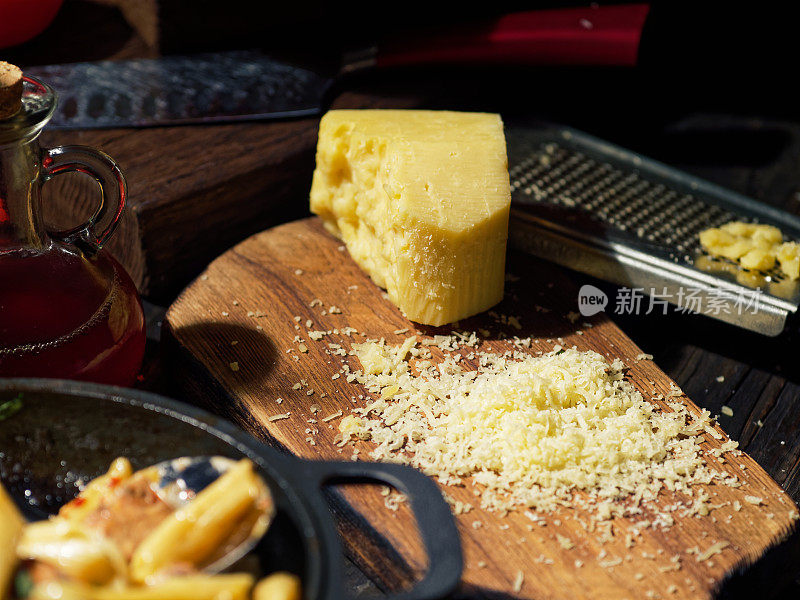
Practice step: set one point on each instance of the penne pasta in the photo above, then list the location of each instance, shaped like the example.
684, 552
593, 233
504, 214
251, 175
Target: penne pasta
94, 491
120, 540
279, 586
73, 551
11, 524
234, 586
195, 532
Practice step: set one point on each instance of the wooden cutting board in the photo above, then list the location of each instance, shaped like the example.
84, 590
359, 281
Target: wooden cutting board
232, 336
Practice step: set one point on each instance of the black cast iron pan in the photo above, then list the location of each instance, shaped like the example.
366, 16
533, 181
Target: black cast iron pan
68, 431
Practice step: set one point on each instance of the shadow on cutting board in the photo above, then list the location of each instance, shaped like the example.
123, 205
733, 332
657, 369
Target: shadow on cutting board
236, 349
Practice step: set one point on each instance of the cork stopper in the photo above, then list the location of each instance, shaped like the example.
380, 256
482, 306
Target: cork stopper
10, 90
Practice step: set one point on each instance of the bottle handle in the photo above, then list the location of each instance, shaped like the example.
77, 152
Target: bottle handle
96, 230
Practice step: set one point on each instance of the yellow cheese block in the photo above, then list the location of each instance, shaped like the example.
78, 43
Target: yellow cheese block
421, 200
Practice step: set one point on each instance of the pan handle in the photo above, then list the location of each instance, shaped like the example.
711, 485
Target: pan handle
434, 519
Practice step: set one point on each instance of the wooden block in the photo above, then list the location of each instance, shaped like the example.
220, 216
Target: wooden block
194, 191
173, 26
141, 15
251, 295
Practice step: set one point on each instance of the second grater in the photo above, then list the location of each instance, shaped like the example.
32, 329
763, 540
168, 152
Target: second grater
611, 213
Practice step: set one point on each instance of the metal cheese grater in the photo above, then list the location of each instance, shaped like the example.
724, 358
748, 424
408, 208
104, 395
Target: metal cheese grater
611, 213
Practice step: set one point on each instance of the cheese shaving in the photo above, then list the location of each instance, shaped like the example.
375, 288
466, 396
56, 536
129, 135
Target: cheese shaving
563, 428
714, 549
335, 415
518, 581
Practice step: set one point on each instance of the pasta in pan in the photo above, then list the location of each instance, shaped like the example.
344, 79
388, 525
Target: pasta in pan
11, 525
121, 539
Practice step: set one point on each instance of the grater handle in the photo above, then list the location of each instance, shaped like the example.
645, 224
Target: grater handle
587, 36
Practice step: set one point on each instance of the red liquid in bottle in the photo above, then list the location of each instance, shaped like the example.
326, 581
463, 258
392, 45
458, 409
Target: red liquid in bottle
65, 315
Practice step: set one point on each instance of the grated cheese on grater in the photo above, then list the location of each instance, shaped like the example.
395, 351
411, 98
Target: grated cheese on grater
753, 246
563, 428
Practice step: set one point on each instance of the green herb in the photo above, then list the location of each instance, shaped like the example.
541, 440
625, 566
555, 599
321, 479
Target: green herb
23, 584
10, 407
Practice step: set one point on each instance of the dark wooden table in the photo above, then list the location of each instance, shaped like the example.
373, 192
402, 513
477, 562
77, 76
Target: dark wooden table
751, 148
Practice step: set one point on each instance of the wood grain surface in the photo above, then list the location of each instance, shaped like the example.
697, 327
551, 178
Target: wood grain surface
194, 191
231, 337
184, 206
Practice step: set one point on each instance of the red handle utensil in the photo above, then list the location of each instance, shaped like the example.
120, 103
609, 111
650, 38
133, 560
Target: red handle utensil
587, 36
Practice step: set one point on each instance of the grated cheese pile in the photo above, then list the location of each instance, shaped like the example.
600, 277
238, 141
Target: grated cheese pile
537, 431
753, 246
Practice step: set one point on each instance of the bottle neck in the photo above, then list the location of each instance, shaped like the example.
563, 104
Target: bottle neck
21, 221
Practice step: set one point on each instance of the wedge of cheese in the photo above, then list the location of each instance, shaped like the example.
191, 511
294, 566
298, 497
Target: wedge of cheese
421, 200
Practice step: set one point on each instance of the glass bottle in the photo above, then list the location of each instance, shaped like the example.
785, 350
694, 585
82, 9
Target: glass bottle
67, 308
